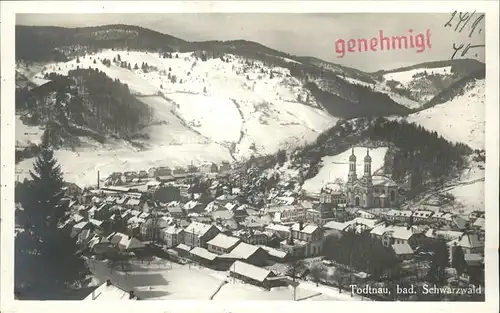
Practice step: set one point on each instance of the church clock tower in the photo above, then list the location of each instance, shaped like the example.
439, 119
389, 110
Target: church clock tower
367, 180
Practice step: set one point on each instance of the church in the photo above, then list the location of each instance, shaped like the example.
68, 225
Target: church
369, 191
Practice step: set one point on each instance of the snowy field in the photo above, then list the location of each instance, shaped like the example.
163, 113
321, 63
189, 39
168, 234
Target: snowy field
26, 135
337, 167
162, 280
407, 76
81, 166
460, 120
212, 107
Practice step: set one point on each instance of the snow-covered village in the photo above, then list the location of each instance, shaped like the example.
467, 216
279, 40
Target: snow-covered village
153, 168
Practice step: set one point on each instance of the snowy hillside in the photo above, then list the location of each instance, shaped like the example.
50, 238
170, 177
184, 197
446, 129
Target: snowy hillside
336, 168
404, 78
461, 119
210, 110
26, 135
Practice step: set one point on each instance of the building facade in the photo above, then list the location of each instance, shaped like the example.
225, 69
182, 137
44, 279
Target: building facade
370, 190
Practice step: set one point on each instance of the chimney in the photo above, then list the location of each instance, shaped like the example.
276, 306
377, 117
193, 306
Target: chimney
131, 294
301, 225
108, 282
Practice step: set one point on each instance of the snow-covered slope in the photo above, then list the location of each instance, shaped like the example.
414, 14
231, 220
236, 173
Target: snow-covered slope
336, 168
462, 119
26, 135
404, 78
211, 111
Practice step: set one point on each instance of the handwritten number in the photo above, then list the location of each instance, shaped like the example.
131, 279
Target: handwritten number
474, 25
448, 24
456, 49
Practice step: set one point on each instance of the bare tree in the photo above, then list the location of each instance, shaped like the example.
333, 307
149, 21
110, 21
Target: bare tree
318, 272
339, 276
294, 268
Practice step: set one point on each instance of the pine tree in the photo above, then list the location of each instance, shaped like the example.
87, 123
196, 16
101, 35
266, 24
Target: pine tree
45, 257
136, 67
458, 260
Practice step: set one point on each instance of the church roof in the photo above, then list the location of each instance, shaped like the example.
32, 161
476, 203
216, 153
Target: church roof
379, 180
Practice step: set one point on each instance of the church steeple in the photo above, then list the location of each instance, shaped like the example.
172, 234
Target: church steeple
368, 164
352, 167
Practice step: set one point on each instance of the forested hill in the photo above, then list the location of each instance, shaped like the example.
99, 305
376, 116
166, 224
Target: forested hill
416, 156
84, 103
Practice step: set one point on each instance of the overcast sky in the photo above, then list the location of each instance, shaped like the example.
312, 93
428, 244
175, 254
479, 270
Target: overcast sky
298, 34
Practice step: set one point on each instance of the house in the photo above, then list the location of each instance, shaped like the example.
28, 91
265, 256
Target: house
152, 226
175, 211
222, 244
124, 242
275, 254
71, 190
209, 168
278, 229
110, 292
392, 234
399, 215
225, 167
479, 224
183, 249
78, 228
304, 241
203, 256
252, 236
444, 234
470, 243
421, 215
198, 234
251, 274
172, 235
320, 213
159, 171
403, 251
287, 213
248, 253
194, 206
365, 214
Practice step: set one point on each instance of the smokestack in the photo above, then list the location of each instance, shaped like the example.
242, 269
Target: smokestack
108, 282
98, 180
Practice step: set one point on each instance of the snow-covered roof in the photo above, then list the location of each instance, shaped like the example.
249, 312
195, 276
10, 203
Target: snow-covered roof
307, 229
402, 248
336, 225
126, 241
183, 247
173, 230
80, 225
467, 241
446, 234
379, 180
109, 293
398, 232
243, 250
480, 222
203, 253
402, 213
250, 271
198, 228
422, 214
275, 252
231, 206
191, 205
95, 222
223, 241
278, 227
134, 202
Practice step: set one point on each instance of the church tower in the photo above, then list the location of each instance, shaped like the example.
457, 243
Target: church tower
367, 179
352, 168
